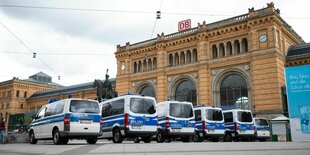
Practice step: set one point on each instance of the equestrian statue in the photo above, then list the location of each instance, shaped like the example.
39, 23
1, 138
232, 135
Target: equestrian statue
104, 89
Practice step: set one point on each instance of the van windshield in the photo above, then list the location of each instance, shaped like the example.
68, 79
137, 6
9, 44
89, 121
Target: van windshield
181, 110
244, 116
214, 114
142, 106
261, 122
82, 106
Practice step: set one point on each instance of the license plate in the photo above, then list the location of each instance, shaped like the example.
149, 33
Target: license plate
242, 131
86, 121
211, 131
176, 130
136, 127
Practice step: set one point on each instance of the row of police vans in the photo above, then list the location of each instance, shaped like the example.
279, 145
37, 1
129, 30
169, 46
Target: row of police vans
139, 118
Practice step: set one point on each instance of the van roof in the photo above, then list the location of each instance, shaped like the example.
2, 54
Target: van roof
126, 96
232, 110
175, 102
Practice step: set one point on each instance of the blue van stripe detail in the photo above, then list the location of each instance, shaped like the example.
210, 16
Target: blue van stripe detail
75, 117
48, 120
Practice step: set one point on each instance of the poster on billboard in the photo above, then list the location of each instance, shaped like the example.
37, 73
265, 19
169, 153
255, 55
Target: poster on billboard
298, 91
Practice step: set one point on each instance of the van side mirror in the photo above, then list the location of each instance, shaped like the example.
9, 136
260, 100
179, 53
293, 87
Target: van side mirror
34, 116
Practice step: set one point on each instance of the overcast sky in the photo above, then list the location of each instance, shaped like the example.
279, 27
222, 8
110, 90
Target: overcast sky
79, 45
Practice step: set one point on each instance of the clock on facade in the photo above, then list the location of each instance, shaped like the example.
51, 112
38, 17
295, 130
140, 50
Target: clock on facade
263, 38
123, 67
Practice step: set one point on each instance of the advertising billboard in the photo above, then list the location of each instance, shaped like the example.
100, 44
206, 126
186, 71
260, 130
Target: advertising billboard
298, 91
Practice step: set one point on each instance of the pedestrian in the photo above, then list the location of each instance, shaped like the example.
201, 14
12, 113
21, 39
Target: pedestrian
2, 130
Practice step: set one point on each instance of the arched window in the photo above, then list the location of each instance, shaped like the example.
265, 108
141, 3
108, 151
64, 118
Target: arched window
149, 63
214, 51
154, 63
222, 50
17, 93
186, 91
182, 58
176, 59
25, 94
147, 90
170, 60
144, 66
195, 59
244, 45
234, 92
188, 56
135, 67
237, 47
139, 66
229, 49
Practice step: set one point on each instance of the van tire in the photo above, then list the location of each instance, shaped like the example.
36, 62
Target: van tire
56, 137
32, 138
117, 136
91, 140
147, 139
64, 140
227, 137
197, 138
160, 137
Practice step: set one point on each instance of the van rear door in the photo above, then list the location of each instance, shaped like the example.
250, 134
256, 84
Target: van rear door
245, 122
85, 116
181, 117
144, 116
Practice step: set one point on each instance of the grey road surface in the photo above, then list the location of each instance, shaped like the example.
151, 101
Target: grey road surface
104, 147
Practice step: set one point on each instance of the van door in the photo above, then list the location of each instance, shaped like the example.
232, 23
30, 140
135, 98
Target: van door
142, 116
38, 124
245, 122
181, 120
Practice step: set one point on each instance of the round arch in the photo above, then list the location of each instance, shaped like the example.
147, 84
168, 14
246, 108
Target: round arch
146, 88
184, 88
240, 93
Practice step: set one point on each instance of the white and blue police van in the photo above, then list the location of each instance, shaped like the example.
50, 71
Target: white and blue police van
129, 116
239, 123
67, 119
209, 124
262, 129
175, 120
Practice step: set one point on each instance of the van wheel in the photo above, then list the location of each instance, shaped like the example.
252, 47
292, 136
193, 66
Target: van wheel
32, 138
197, 138
136, 140
147, 139
64, 140
56, 137
160, 137
91, 140
227, 137
117, 136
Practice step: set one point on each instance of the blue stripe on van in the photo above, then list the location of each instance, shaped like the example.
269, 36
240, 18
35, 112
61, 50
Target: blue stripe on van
241, 126
259, 128
75, 117
210, 125
175, 123
48, 120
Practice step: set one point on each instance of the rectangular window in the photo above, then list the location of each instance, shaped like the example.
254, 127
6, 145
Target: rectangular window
214, 115
198, 115
228, 117
261, 122
83, 106
113, 108
17, 93
142, 106
25, 94
244, 116
181, 110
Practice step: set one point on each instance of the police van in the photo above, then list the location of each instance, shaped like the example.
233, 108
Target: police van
262, 129
239, 123
175, 120
129, 116
67, 119
209, 124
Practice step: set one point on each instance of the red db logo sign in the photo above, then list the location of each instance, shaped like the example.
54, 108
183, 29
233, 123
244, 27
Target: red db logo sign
184, 25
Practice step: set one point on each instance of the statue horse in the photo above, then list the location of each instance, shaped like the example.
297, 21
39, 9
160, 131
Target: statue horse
100, 92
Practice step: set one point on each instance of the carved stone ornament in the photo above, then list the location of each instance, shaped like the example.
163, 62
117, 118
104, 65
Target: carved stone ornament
195, 75
154, 81
133, 84
169, 79
246, 67
213, 72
